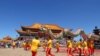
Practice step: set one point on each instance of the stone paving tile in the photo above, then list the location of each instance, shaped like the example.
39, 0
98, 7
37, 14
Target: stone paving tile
21, 52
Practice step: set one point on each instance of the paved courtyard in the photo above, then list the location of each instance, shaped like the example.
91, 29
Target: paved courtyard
21, 52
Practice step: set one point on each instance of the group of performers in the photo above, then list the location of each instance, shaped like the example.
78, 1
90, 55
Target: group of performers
83, 47
47, 46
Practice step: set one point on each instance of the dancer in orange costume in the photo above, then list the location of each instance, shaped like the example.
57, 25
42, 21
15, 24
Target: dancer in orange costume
91, 46
75, 46
44, 45
34, 46
27, 46
14, 44
85, 48
24, 45
69, 47
80, 47
57, 46
49, 46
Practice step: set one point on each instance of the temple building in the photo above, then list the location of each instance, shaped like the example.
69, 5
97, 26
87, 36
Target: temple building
28, 32
96, 32
6, 39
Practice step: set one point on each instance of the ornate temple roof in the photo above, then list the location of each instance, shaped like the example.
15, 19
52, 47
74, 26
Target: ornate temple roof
34, 29
50, 26
7, 38
24, 32
37, 26
21, 32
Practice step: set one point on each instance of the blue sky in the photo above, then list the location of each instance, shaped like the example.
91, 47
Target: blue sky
65, 13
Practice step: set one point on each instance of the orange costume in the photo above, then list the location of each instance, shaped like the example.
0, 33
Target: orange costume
27, 46
75, 46
44, 46
69, 48
14, 44
57, 47
80, 48
85, 48
24, 45
34, 46
91, 47
49, 46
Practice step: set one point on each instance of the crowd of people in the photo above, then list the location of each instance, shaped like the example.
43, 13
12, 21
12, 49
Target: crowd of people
83, 47
11, 44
